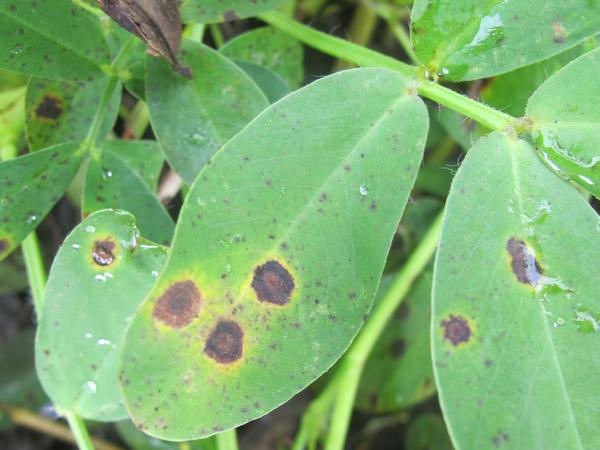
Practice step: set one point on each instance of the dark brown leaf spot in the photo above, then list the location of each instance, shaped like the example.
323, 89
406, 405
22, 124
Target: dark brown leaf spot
49, 108
178, 305
559, 33
456, 330
397, 348
103, 253
523, 262
273, 283
225, 343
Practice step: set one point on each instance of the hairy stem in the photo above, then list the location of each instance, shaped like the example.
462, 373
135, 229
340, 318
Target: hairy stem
80, 433
485, 115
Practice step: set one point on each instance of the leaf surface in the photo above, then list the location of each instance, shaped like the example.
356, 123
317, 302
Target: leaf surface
471, 39
211, 11
97, 280
112, 183
272, 85
270, 48
144, 157
51, 39
30, 186
565, 112
277, 256
515, 305
62, 111
193, 118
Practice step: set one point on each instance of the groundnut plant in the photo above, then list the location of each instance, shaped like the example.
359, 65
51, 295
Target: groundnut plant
269, 212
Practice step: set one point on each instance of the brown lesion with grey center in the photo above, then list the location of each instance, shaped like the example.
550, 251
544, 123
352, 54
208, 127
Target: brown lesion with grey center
456, 330
179, 305
50, 108
103, 252
225, 343
273, 283
524, 264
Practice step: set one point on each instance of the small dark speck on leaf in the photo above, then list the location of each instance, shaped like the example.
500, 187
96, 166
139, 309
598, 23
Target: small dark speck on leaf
103, 252
225, 343
273, 283
524, 264
559, 33
49, 108
178, 305
397, 348
456, 330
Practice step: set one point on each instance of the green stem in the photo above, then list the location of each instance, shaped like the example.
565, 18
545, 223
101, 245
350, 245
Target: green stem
227, 440
217, 35
36, 271
80, 433
342, 49
355, 359
360, 32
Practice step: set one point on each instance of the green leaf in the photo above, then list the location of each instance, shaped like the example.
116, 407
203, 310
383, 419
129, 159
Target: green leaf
19, 385
270, 48
62, 111
515, 305
30, 186
402, 354
565, 112
277, 255
427, 431
472, 39
112, 183
144, 157
98, 279
272, 85
51, 39
193, 118
511, 91
212, 11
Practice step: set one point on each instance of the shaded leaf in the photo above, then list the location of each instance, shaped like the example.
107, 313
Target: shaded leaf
471, 39
565, 112
272, 85
270, 48
515, 305
112, 183
62, 111
144, 157
278, 252
402, 353
427, 432
30, 186
51, 39
137, 440
211, 11
79, 336
193, 118
19, 385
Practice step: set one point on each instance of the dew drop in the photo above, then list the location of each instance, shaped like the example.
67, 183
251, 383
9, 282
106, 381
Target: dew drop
76, 246
559, 322
31, 218
363, 189
17, 49
90, 386
90, 229
106, 173
103, 342
154, 274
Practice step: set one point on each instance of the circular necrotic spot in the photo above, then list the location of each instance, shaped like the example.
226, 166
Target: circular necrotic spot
103, 252
178, 305
524, 264
49, 108
456, 330
397, 348
225, 343
273, 283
